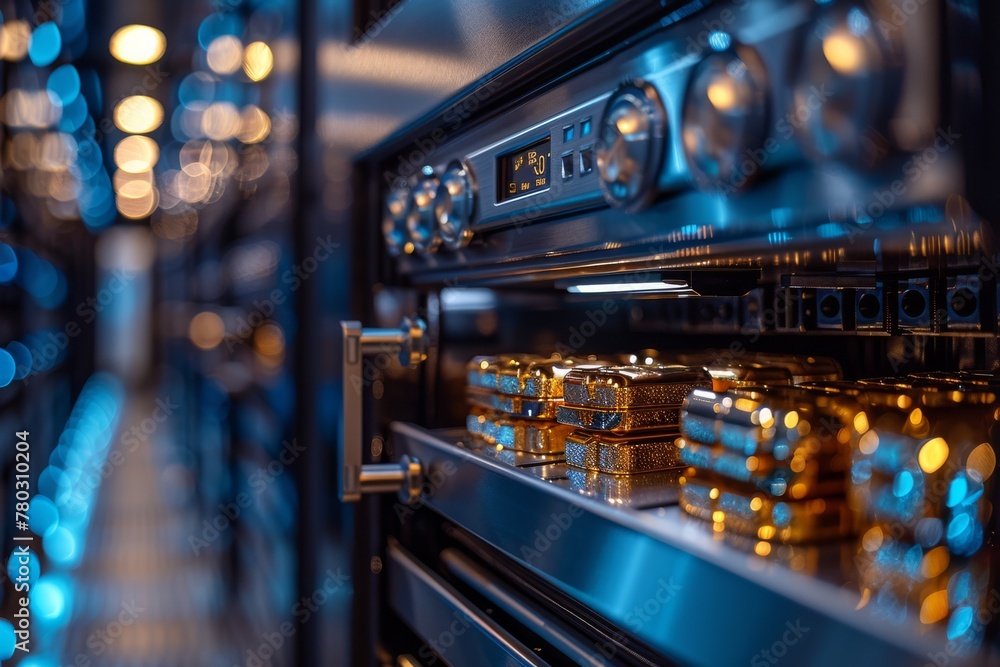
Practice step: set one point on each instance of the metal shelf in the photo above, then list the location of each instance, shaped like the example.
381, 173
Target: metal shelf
660, 575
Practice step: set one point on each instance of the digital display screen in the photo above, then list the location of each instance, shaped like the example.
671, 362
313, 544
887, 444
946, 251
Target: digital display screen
524, 171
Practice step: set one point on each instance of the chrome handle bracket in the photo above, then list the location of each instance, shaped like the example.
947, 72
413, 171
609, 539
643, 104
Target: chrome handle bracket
408, 344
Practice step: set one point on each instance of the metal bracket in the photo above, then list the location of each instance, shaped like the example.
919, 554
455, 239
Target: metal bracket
408, 344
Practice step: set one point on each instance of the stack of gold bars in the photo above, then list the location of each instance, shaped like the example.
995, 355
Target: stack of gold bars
768, 463
625, 417
515, 398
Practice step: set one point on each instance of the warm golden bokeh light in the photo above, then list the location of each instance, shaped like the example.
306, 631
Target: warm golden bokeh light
140, 206
206, 330
220, 121
138, 44
14, 38
225, 54
982, 462
932, 455
844, 52
121, 179
255, 125
136, 154
722, 94
935, 562
138, 114
258, 61
934, 607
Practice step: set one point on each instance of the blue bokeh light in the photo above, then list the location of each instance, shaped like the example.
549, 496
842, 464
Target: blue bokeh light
45, 44
8, 263
14, 564
7, 639
48, 597
43, 515
22, 359
8, 368
64, 82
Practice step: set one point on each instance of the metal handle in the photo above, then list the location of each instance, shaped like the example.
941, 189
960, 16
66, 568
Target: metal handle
408, 344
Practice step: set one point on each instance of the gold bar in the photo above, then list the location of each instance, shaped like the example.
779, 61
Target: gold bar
516, 406
619, 421
622, 387
542, 378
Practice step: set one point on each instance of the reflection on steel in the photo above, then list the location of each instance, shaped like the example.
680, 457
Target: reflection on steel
581, 533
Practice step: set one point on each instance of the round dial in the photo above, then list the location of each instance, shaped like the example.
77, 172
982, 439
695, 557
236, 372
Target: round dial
631, 145
849, 79
454, 206
421, 221
394, 221
725, 116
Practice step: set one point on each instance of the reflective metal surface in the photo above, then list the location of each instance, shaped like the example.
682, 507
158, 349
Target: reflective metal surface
571, 541
455, 205
725, 115
449, 625
421, 216
630, 145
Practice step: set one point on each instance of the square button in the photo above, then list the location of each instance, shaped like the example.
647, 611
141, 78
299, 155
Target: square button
586, 160
567, 165
585, 127
569, 133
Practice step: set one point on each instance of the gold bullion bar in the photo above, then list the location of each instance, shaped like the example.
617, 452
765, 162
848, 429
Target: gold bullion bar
622, 387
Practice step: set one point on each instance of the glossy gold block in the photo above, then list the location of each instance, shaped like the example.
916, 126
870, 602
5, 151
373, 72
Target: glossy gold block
617, 455
483, 372
535, 436
517, 406
618, 421
628, 387
542, 378
648, 488
747, 375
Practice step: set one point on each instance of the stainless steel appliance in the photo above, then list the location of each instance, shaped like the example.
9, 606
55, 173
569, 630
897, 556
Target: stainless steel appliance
806, 177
